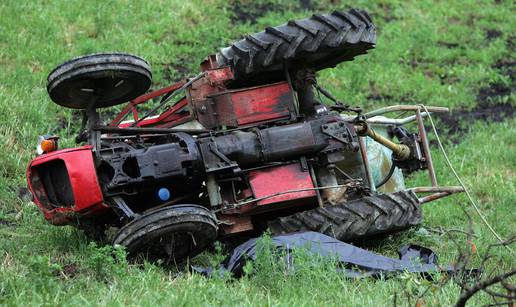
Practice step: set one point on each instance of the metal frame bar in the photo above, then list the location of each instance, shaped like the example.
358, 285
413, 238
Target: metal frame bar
402, 108
131, 106
436, 191
380, 120
365, 160
426, 147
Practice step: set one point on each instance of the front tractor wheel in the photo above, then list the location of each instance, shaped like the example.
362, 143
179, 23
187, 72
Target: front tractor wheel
357, 219
171, 234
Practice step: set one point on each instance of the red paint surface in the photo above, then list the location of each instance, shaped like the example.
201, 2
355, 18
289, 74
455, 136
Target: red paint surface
83, 179
175, 115
261, 103
279, 179
219, 75
131, 106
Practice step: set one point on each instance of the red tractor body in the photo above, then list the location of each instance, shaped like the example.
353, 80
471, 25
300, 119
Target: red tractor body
246, 146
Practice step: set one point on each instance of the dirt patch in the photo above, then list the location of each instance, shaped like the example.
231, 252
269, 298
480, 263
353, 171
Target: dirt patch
490, 108
493, 93
492, 34
250, 11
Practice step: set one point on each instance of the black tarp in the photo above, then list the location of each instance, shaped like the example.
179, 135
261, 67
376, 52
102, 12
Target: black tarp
354, 261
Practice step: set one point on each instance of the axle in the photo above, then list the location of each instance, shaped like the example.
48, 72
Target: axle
186, 160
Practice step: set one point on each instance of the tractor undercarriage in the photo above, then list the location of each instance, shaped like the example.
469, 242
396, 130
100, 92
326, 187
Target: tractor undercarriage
246, 145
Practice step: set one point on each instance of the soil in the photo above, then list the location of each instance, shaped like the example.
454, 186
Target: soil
250, 11
492, 34
490, 109
506, 66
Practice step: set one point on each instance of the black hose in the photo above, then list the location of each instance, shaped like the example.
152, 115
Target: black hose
387, 177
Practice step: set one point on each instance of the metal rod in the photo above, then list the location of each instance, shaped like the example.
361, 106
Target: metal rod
294, 93
365, 160
400, 151
433, 197
172, 95
437, 192
402, 108
380, 120
254, 200
394, 121
450, 189
426, 147
108, 129
316, 184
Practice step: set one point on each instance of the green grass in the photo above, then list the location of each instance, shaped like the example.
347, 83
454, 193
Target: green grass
436, 53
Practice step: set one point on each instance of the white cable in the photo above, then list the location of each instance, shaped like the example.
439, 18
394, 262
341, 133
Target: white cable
482, 217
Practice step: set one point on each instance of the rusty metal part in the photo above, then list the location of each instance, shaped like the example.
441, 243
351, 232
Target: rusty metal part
316, 184
402, 152
234, 224
131, 106
170, 97
451, 189
437, 192
426, 148
108, 129
365, 160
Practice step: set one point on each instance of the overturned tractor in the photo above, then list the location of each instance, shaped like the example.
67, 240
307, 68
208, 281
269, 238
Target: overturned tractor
244, 146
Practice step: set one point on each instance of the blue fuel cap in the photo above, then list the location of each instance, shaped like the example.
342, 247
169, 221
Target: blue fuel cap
164, 194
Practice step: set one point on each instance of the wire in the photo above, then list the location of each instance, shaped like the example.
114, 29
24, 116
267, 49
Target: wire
286, 192
482, 217
387, 177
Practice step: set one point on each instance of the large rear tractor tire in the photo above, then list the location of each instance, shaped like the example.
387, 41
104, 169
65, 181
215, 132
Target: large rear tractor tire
171, 234
317, 42
361, 218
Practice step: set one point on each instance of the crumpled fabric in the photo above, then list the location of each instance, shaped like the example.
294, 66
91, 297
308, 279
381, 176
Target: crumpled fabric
354, 262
